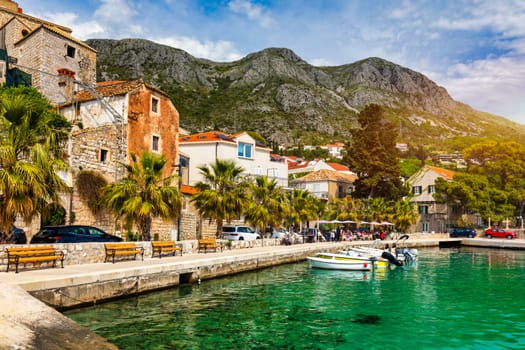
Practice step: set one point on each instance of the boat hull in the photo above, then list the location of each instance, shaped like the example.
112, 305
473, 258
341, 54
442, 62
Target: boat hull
336, 261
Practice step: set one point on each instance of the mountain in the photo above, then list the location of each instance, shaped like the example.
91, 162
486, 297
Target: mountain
288, 101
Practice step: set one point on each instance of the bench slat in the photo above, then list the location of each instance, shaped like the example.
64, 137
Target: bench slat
121, 249
33, 255
164, 246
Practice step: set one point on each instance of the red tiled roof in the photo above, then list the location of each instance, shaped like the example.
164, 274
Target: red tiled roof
297, 166
338, 167
446, 173
187, 189
327, 175
210, 136
112, 88
214, 136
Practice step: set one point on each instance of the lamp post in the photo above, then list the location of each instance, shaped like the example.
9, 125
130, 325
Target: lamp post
179, 173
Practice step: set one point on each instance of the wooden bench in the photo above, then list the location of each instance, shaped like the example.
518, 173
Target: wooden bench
164, 247
35, 254
122, 249
209, 243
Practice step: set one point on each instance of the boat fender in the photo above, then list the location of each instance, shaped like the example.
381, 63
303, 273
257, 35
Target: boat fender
391, 258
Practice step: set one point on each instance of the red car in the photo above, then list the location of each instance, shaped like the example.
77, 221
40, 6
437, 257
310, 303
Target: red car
499, 233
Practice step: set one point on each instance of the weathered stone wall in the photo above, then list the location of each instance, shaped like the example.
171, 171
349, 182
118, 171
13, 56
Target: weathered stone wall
46, 51
144, 123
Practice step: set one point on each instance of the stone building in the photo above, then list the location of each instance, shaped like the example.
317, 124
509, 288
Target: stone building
43, 54
110, 122
434, 216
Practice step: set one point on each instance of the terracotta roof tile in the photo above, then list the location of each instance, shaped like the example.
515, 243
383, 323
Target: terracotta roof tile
210, 136
214, 136
446, 173
338, 167
112, 88
326, 175
187, 189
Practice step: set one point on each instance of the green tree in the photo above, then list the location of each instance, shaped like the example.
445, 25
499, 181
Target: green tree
404, 214
347, 208
305, 206
144, 194
31, 153
373, 156
268, 205
222, 194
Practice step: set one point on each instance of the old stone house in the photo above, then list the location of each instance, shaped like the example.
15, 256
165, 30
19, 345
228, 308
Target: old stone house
433, 216
110, 122
43, 54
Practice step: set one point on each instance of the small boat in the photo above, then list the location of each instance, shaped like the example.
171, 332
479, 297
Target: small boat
395, 256
337, 261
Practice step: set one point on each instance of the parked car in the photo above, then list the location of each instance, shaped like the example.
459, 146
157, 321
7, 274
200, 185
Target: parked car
499, 233
462, 232
72, 234
239, 233
16, 235
279, 233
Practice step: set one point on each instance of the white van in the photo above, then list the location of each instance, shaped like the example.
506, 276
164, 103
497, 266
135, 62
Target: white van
239, 233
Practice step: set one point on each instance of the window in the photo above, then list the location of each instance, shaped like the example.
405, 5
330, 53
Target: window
244, 150
424, 227
70, 51
103, 155
155, 143
154, 104
423, 209
431, 189
416, 189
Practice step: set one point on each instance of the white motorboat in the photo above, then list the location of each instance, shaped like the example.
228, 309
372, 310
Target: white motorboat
394, 255
337, 261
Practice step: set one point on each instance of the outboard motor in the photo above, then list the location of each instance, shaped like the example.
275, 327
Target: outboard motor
392, 259
409, 255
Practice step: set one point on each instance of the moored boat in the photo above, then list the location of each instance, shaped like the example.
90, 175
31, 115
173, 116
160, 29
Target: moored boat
336, 261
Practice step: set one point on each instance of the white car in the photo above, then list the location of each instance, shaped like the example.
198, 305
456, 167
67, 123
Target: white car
239, 233
280, 233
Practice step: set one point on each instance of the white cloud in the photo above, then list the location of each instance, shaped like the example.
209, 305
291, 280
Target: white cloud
118, 18
81, 30
253, 12
223, 51
493, 85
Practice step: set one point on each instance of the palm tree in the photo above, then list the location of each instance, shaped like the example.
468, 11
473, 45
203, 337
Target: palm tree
143, 194
31, 152
306, 207
268, 205
405, 214
346, 208
223, 192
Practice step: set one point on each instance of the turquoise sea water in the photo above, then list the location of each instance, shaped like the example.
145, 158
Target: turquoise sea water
452, 299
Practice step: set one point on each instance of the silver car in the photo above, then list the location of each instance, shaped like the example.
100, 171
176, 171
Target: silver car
239, 233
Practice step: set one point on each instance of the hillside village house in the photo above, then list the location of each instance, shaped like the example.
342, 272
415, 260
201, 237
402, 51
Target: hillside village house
433, 216
300, 168
42, 54
122, 118
255, 158
326, 184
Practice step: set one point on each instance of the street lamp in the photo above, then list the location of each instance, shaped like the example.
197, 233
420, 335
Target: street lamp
289, 189
182, 162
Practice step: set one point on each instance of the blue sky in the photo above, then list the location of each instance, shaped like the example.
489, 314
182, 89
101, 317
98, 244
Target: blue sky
473, 48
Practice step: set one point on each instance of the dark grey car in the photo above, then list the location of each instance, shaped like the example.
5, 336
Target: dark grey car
462, 232
72, 234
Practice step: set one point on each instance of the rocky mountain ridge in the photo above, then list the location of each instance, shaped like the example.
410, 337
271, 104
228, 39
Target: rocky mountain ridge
285, 99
